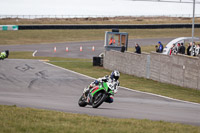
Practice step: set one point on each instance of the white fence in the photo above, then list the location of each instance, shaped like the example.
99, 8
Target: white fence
87, 16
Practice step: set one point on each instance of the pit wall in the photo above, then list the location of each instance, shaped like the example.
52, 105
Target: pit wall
179, 70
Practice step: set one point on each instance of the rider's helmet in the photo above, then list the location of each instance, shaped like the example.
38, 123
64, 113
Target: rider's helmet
115, 75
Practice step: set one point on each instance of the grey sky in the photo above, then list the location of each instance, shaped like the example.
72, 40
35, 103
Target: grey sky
93, 7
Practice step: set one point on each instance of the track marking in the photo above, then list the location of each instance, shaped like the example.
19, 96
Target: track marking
125, 87
160, 96
34, 53
68, 70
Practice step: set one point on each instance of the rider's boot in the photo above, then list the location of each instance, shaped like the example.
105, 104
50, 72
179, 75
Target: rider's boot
86, 91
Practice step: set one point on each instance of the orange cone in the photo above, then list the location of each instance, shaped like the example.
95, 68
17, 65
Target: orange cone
93, 48
67, 49
54, 49
81, 48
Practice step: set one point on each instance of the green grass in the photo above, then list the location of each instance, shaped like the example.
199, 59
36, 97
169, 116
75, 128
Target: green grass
84, 66
20, 120
146, 49
48, 36
14, 119
102, 20
56, 36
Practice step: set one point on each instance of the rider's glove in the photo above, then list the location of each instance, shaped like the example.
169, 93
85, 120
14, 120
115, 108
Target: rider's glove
104, 80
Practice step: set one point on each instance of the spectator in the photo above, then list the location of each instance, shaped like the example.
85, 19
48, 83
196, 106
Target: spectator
192, 49
197, 49
122, 48
112, 41
170, 51
188, 49
182, 49
138, 49
178, 48
157, 50
174, 49
160, 47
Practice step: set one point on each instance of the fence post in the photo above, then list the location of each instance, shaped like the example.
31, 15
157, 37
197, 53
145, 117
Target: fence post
148, 66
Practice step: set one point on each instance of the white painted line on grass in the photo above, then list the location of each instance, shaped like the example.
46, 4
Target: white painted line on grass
125, 87
34, 53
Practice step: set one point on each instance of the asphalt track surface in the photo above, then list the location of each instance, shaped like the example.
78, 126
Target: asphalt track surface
74, 47
32, 83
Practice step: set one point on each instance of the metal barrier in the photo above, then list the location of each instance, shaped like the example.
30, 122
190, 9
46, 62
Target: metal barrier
8, 27
150, 26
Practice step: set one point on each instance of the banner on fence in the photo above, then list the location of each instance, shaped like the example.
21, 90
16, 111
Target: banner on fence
8, 27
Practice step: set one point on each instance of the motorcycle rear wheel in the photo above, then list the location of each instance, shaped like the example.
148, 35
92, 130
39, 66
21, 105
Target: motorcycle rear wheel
81, 101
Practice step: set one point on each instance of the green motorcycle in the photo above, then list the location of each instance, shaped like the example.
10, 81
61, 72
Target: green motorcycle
97, 95
4, 55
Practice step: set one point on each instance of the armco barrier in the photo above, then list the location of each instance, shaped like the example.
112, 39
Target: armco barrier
179, 70
150, 26
8, 27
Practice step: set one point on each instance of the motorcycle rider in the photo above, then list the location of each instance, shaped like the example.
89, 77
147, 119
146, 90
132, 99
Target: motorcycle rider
113, 78
2, 55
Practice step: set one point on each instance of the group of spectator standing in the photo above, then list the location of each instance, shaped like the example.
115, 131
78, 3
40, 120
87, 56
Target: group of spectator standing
137, 48
159, 48
192, 49
179, 49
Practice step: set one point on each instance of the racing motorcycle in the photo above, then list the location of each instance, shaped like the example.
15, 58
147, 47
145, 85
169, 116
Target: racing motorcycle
4, 55
97, 95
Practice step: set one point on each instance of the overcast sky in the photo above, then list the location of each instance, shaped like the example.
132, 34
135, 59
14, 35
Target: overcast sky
93, 7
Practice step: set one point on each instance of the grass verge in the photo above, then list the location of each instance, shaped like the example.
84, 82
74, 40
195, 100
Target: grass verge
84, 66
58, 36
147, 49
15, 119
98, 20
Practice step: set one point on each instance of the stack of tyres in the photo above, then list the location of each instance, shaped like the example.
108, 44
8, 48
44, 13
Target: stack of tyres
97, 61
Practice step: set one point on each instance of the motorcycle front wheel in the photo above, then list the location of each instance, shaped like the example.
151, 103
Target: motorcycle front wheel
98, 99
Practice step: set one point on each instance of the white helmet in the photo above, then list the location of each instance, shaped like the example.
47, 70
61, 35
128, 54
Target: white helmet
115, 75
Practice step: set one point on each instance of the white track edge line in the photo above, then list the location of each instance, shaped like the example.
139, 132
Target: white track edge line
125, 87
160, 96
34, 53
69, 70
